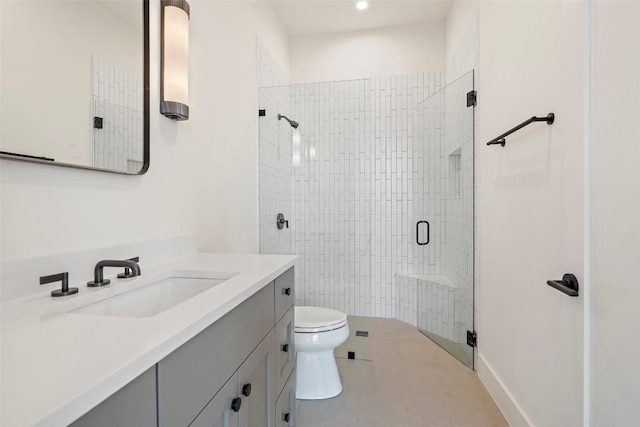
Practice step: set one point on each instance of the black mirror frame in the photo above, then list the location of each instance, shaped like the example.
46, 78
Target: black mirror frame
145, 117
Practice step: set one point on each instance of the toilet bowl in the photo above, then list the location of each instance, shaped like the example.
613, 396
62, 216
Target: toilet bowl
318, 331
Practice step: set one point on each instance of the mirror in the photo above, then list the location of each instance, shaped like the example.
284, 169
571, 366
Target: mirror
75, 83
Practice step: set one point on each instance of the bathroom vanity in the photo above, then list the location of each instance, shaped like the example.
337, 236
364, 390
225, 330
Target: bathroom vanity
224, 357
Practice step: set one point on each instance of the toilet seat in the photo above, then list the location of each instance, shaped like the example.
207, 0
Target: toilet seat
318, 319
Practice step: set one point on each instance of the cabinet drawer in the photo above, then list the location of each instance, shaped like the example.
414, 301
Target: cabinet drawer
285, 352
218, 412
286, 404
284, 293
190, 376
132, 405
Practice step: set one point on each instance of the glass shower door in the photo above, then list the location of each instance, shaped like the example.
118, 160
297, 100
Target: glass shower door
445, 298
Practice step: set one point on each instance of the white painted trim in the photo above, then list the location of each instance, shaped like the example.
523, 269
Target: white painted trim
511, 410
586, 282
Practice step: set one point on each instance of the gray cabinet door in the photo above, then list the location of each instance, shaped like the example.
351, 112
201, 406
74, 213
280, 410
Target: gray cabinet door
257, 374
219, 412
285, 354
286, 404
190, 376
134, 405
284, 293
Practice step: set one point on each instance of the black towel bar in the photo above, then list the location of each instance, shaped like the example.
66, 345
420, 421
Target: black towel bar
550, 118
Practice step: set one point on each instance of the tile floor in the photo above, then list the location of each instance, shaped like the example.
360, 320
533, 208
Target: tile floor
410, 382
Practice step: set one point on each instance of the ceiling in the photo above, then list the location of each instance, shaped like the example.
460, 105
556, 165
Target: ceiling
306, 17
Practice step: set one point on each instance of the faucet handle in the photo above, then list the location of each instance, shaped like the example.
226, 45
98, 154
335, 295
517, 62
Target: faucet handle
64, 290
127, 271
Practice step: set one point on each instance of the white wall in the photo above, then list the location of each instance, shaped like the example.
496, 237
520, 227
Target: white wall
369, 53
203, 174
224, 116
615, 210
529, 205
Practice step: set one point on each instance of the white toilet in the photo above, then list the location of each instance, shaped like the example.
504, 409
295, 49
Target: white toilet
318, 332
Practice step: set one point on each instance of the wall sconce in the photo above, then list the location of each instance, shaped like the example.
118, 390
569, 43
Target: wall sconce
174, 60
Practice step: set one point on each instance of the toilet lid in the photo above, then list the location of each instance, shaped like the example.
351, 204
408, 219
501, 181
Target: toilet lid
318, 319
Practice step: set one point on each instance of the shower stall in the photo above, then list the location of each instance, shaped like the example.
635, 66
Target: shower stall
375, 183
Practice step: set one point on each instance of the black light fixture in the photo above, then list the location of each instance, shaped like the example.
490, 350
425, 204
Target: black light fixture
174, 60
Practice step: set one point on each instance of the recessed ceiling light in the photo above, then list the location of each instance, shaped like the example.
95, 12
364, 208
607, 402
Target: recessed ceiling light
362, 5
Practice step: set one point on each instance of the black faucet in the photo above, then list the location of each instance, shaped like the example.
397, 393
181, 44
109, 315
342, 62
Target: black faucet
98, 278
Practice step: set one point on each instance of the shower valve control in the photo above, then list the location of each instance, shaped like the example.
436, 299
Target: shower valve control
281, 222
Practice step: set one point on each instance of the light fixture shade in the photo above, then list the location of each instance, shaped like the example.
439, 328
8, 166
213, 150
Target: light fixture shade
174, 78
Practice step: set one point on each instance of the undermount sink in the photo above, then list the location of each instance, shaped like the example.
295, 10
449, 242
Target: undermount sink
153, 298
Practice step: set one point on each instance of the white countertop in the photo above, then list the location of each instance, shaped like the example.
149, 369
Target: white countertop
56, 366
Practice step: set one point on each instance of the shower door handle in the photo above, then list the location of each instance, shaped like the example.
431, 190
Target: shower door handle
418, 232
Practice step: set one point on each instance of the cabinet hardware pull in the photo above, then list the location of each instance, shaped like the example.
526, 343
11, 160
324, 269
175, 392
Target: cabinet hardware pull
286, 417
246, 389
285, 348
287, 291
235, 404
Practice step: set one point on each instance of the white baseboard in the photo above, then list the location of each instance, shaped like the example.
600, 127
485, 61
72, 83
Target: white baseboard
510, 409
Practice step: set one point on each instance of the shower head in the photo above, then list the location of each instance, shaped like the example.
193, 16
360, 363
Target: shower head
293, 123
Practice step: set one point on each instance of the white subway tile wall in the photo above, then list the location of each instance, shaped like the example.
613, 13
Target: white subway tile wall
274, 151
407, 298
439, 302
118, 99
362, 182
